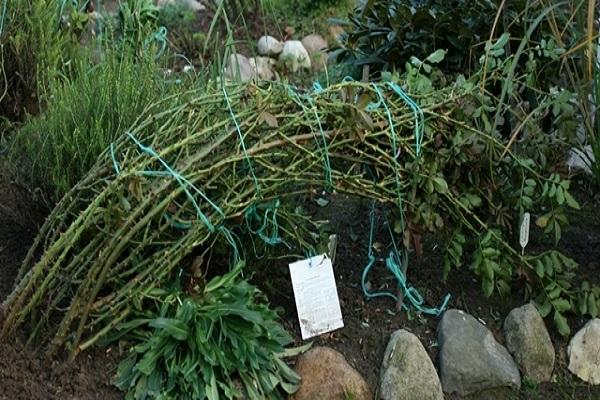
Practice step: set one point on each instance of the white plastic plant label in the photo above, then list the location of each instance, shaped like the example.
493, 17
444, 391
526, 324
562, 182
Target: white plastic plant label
316, 296
524, 231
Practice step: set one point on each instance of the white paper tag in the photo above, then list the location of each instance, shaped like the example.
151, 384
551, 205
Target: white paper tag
316, 296
524, 231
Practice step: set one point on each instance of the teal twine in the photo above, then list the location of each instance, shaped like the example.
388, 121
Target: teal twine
241, 136
324, 147
230, 237
114, 159
394, 151
266, 221
394, 263
63, 4
160, 36
252, 212
309, 254
61, 9
177, 223
417, 112
99, 20
182, 181
317, 87
252, 215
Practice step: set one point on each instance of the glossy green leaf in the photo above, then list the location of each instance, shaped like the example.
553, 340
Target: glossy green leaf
592, 305
539, 268
436, 57
561, 324
561, 305
440, 184
544, 309
571, 202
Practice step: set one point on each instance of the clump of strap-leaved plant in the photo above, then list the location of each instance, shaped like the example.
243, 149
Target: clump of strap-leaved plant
200, 168
211, 340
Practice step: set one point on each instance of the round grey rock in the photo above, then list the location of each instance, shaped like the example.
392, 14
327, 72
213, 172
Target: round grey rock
316, 47
239, 68
327, 375
262, 67
584, 352
407, 371
528, 341
269, 46
189, 4
294, 56
471, 360
314, 43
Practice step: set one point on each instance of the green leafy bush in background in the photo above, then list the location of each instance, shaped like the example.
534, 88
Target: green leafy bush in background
222, 342
386, 34
520, 48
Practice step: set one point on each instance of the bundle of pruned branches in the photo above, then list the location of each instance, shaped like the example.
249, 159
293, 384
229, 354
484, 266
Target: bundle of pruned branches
186, 173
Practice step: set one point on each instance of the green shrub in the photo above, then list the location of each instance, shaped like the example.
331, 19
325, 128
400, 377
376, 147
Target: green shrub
525, 64
85, 114
386, 34
222, 342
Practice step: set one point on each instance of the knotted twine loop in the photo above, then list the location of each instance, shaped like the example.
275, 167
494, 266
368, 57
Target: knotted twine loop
394, 263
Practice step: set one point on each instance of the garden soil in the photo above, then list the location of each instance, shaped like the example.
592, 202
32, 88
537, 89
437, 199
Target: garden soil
24, 372
27, 374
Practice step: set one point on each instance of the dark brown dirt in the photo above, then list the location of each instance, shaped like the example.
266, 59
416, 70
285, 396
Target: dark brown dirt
24, 372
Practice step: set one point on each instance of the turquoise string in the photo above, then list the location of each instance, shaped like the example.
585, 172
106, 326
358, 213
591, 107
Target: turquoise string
251, 213
177, 223
324, 148
394, 263
114, 159
416, 109
160, 36
417, 112
241, 136
230, 237
63, 4
61, 9
394, 151
183, 182
268, 221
